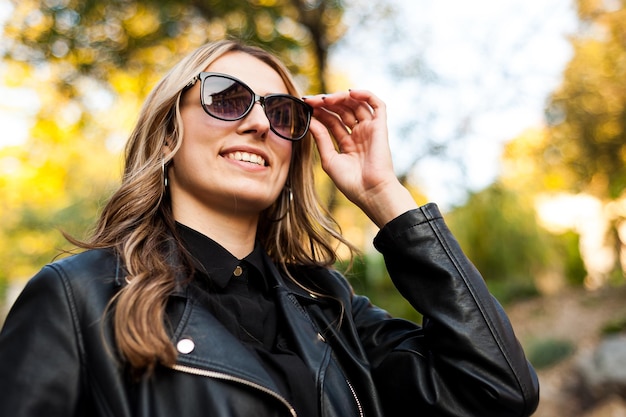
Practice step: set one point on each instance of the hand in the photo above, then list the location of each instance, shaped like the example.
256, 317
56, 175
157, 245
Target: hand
358, 160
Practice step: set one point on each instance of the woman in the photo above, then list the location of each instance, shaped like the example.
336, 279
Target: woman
207, 287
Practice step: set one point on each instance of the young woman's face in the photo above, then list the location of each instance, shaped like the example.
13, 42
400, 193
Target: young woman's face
232, 167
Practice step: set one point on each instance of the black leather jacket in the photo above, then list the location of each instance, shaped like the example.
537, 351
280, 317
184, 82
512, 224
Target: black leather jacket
56, 360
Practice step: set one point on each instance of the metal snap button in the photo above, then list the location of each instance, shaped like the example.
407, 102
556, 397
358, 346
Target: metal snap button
185, 346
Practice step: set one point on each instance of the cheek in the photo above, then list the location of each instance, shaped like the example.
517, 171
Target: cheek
200, 126
283, 148
203, 129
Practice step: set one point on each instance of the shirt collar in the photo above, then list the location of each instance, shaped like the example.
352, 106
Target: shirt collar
214, 260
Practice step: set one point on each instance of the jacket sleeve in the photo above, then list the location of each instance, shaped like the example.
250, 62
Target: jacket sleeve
465, 360
39, 352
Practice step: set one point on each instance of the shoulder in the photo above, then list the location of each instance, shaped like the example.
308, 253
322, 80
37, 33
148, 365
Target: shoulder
96, 262
90, 277
98, 265
75, 289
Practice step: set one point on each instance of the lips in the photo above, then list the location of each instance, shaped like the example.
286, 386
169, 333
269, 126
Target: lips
247, 157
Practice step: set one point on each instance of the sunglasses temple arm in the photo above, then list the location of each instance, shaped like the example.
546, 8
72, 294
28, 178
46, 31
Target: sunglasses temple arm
191, 83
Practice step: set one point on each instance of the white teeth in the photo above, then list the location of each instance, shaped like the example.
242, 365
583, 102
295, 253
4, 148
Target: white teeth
247, 157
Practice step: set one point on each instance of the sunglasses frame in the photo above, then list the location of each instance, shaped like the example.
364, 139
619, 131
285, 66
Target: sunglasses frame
255, 99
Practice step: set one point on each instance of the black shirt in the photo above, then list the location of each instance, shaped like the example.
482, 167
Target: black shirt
240, 294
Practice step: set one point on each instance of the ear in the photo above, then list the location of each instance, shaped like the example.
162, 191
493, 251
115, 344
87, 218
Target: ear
167, 150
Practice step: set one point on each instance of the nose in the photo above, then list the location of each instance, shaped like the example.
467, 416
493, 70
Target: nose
256, 121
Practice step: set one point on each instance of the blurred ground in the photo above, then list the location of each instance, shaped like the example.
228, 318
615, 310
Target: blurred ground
577, 316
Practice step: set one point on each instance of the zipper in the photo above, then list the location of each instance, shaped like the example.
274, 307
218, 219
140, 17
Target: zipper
356, 399
227, 377
321, 338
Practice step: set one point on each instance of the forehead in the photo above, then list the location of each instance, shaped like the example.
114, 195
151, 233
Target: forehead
259, 76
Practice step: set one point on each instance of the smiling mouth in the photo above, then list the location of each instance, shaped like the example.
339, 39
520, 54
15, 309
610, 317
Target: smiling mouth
247, 157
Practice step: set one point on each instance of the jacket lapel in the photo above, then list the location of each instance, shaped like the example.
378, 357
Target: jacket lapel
205, 344
305, 335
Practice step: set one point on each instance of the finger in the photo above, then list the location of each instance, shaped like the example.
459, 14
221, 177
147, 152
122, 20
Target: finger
347, 115
332, 121
338, 104
376, 107
316, 100
324, 142
351, 108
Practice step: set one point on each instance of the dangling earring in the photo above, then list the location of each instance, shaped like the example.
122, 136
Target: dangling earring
286, 197
164, 172
289, 198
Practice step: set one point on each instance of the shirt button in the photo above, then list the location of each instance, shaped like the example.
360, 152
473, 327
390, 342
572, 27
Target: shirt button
238, 271
185, 346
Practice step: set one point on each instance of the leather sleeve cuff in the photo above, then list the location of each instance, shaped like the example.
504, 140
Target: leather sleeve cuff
387, 236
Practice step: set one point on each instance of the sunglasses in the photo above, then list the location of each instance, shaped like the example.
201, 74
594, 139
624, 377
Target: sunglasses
227, 98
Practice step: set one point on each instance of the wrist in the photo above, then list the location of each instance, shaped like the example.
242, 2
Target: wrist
388, 203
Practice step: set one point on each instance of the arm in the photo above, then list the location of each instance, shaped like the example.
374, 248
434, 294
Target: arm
39, 352
466, 359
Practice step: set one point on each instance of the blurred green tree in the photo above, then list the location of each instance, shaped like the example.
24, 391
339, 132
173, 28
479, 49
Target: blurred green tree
584, 144
498, 231
142, 37
587, 114
523, 176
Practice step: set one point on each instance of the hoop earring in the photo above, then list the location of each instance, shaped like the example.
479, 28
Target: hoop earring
164, 172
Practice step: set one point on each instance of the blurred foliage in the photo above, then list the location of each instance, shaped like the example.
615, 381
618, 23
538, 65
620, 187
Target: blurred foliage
498, 231
368, 276
582, 149
587, 114
545, 353
523, 168
145, 37
569, 253
44, 187
617, 325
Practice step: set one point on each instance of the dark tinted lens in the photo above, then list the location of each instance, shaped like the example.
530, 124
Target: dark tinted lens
288, 116
225, 98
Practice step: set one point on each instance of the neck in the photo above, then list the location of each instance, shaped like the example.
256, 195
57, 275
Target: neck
236, 234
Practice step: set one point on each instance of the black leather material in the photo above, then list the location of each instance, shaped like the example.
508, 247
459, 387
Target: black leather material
56, 349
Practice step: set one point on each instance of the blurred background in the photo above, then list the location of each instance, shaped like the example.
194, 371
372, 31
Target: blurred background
510, 114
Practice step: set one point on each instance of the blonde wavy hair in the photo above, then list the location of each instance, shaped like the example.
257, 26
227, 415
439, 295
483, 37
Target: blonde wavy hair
137, 222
